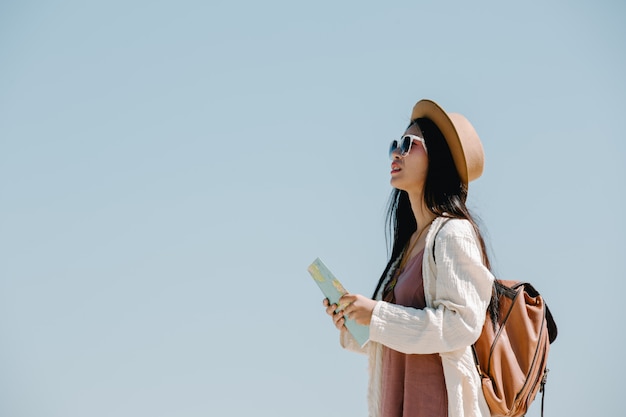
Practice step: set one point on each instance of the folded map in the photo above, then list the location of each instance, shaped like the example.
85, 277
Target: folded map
333, 290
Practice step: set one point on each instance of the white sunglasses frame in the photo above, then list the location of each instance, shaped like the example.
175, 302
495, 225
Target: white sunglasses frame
393, 149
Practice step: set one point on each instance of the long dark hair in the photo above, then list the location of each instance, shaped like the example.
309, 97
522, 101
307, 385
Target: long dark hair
444, 194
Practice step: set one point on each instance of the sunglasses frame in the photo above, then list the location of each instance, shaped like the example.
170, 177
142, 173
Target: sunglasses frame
398, 145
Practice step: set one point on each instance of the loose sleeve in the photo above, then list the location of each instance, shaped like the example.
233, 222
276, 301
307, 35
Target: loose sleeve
454, 319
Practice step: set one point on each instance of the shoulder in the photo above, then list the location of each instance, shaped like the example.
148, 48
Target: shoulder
452, 236
454, 228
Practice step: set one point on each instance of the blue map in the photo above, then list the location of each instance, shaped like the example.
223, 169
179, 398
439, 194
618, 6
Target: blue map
333, 290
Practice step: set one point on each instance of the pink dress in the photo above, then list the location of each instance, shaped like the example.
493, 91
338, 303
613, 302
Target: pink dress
413, 385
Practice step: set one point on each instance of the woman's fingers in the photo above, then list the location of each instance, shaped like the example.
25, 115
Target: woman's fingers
330, 310
337, 316
339, 320
359, 308
348, 299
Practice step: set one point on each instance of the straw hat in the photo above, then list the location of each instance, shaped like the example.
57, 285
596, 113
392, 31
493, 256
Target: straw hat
460, 135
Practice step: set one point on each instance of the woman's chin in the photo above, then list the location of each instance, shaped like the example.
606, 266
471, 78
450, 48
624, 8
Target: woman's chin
396, 183
403, 185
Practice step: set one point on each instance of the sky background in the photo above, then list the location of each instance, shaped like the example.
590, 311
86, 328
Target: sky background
168, 170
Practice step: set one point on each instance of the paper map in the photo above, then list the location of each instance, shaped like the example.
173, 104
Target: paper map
333, 290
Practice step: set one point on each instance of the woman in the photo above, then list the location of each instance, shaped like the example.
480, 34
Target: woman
429, 305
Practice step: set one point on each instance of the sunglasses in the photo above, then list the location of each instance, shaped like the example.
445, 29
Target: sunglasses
404, 145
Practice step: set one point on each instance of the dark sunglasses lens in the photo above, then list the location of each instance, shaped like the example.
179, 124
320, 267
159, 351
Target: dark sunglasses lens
405, 145
392, 147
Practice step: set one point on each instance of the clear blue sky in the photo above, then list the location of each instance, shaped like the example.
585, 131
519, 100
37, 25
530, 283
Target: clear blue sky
168, 170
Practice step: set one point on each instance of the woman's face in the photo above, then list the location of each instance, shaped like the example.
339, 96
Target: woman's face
408, 173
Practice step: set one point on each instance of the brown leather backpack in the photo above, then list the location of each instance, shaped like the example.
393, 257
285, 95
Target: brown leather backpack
512, 351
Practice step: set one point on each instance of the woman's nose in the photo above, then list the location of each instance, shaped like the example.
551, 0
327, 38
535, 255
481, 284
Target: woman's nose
395, 154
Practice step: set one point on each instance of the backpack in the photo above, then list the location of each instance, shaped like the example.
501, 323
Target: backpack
512, 350
511, 354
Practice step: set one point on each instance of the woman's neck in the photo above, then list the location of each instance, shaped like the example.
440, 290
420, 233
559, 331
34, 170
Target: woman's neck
423, 216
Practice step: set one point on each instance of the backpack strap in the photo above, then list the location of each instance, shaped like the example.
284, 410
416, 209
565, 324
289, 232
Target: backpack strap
443, 223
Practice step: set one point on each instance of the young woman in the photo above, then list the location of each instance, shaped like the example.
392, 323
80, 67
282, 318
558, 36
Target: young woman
429, 305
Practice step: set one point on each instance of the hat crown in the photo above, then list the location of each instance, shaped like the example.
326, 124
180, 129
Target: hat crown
460, 135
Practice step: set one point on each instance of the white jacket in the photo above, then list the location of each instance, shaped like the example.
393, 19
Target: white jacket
457, 288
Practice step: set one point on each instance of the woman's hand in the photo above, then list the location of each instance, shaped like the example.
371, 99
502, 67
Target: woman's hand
337, 317
358, 308
353, 306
